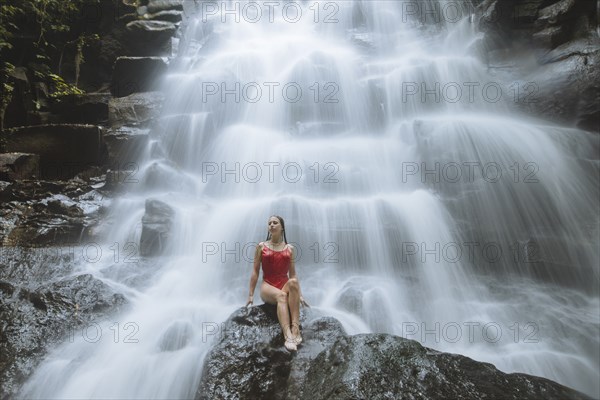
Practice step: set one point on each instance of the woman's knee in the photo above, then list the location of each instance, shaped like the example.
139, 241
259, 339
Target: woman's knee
293, 284
281, 297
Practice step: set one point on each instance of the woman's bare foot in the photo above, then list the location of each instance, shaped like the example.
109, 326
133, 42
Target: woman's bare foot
290, 341
290, 344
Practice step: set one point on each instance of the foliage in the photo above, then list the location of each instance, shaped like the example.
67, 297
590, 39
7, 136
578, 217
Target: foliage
62, 88
35, 33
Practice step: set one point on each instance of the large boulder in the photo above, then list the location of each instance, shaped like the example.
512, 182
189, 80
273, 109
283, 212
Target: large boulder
381, 366
248, 361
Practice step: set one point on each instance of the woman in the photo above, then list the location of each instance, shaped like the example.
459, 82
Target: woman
277, 259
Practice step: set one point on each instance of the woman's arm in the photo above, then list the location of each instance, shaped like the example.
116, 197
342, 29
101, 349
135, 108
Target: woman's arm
255, 271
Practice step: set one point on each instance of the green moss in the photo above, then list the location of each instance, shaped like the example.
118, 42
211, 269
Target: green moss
62, 88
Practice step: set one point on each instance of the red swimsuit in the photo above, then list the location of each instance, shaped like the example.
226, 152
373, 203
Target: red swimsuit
275, 266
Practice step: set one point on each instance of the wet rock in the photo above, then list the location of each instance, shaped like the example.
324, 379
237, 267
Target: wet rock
40, 213
382, 366
32, 266
160, 5
60, 147
166, 15
34, 320
248, 361
568, 83
540, 42
555, 13
15, 166
549, 37
156, 227
137, 74
124, 145
138, 109
150, 37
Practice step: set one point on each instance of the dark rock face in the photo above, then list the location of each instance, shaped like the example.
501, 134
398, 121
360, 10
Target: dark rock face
89, 108
15, 166
561, 36
249, 362
568, 84
137, 74
381, 366
77, 146
37, 316
151, 37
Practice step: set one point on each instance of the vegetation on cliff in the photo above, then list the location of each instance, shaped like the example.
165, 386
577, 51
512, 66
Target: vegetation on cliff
42, 42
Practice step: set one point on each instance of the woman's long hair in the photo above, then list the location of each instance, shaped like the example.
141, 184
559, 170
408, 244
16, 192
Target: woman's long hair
282, 228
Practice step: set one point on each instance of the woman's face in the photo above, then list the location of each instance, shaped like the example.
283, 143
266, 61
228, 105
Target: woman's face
274, 226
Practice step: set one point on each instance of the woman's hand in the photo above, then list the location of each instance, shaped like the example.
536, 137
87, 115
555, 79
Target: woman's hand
250, 301
303, 302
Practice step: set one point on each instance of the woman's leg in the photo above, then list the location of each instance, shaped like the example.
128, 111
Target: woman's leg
272, 295
294, 304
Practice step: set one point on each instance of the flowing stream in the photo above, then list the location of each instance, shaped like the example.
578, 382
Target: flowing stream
421, 202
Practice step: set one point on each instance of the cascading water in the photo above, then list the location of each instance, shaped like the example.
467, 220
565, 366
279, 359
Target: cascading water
431, 212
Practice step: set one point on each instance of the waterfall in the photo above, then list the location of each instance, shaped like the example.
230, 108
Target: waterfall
421, 202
